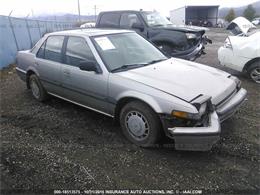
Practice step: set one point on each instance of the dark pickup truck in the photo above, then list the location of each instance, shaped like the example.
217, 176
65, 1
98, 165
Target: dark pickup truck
182, 42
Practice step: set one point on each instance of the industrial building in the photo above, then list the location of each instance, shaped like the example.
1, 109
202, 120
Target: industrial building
195, 15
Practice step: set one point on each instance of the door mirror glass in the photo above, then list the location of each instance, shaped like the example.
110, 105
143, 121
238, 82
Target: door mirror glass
138, 26
89, 66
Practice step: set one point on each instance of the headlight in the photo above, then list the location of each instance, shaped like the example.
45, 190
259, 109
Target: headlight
237, 81
227, 43
193, 116
191, 36
202, 109
185, 115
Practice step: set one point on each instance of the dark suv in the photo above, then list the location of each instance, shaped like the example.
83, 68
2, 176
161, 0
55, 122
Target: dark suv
183, 42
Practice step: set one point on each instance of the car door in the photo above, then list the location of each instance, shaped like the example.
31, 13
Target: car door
48, 63
84, 87
128, 20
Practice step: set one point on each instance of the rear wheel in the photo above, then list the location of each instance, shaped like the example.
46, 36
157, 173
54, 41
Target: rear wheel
254, 71
37, 89
140, 124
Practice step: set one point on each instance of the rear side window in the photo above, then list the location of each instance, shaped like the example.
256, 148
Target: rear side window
53, 47
110, 20
128, 19
78, 51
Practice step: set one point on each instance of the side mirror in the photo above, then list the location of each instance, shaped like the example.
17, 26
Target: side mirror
138, 26
89, 66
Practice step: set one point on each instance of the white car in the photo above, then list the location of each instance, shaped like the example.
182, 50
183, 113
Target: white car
241, 51
88, 25
256, 21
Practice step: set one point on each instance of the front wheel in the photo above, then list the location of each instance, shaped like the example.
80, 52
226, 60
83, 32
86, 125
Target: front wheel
254, 71
140, 124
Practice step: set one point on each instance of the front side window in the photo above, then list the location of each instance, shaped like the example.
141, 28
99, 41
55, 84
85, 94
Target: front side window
128, 19
126, 49
155, 19
77, 51
53, 48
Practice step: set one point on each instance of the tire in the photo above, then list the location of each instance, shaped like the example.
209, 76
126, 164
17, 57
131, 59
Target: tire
254, 71
37, 90
140, 124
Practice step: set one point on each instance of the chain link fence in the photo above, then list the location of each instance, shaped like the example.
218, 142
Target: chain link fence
20, 34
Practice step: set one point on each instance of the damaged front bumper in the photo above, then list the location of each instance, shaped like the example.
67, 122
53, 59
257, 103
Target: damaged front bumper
203, 138
197, 138
194, 52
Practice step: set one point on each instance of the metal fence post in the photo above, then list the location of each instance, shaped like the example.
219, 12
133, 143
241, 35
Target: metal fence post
39, 28
27, 26
11, 25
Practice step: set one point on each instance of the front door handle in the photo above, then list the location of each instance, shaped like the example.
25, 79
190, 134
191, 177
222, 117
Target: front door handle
66, 71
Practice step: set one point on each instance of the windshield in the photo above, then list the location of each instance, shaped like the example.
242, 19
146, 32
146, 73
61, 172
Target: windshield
155, 19
126, 50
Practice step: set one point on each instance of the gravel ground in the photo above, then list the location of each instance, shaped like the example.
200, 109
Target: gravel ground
58, 145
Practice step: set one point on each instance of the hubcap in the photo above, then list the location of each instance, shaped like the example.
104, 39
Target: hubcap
35, 89
255, 75
137, 125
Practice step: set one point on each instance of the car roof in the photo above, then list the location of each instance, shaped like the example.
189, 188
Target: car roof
89, 32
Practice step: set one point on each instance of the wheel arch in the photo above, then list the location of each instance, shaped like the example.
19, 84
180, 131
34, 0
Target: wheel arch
125, 100
248, 64
28, 74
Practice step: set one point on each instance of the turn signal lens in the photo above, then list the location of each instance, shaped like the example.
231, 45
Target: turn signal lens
180, 114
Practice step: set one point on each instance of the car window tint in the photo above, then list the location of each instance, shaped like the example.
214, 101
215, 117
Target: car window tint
78, 51
40, 53
110, 20
53, 48
128, 19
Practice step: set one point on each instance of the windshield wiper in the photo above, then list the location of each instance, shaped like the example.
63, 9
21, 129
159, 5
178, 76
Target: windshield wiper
157, 25
155, 61
131, 66
127, 67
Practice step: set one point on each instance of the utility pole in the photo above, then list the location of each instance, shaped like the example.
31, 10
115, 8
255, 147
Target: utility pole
10, 13
79, 11
95, 8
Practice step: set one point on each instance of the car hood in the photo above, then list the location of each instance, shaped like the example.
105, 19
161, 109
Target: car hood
185, 29
242, 24
184, 79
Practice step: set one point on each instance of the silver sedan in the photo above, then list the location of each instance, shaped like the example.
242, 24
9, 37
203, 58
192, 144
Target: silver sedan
120, 74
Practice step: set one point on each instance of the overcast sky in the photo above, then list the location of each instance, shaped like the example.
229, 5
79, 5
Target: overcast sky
22, 8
